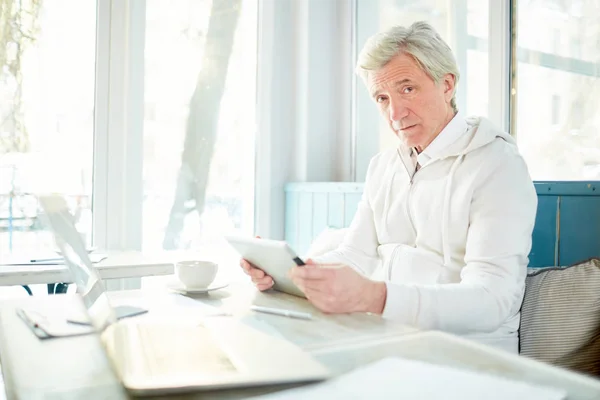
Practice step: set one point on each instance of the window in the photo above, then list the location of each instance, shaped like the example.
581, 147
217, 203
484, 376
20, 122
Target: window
555, 113
47, 74
199, 122
463, 24
158, 111
555, 40
560, 139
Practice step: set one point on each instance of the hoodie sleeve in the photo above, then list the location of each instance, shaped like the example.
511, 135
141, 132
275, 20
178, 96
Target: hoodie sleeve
359, 247
502, 216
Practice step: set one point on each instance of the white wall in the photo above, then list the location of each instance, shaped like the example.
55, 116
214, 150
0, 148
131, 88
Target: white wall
305, 101
323, 46
276, 118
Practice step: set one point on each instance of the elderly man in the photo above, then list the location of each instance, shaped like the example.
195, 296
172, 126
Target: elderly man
448, 215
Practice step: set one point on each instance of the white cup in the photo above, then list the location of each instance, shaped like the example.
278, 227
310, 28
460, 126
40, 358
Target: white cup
196, 274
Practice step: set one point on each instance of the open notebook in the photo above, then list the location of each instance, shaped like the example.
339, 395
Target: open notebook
397, 378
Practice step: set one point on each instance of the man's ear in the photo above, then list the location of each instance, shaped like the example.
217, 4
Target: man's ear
449, 86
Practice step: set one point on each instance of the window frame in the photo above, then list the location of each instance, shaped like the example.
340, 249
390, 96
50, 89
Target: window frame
281, 127
365, 143
117, 196
504, 55
118, 125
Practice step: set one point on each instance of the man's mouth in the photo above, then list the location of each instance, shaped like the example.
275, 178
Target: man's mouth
406, 128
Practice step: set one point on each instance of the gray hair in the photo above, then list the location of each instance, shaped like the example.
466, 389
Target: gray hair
421, 42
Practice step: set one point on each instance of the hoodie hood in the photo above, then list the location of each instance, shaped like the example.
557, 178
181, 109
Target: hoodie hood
480, 132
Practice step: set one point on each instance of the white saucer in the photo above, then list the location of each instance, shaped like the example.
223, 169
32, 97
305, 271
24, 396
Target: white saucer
178, 287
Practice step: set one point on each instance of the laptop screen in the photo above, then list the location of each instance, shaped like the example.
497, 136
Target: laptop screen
86, 278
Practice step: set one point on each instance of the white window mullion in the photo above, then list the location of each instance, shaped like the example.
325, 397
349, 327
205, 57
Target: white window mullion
118, 150
275, 119
354, 89
499, 63
101, 112
133, 152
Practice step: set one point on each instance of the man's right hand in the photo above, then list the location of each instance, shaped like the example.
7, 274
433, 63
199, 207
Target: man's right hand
261, 280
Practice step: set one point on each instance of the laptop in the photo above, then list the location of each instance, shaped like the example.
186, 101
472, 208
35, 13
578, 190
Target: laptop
155, 357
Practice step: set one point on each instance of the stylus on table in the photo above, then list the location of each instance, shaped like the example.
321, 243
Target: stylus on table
282, 312
43, 260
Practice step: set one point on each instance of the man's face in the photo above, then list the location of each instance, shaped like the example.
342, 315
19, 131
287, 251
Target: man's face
416, 108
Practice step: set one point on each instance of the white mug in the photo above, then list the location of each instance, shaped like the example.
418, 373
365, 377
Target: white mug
196, 274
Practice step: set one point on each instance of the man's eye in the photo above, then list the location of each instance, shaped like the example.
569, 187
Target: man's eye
380, 99
407, 89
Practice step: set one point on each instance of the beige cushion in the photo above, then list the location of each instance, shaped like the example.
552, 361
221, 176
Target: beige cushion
560, 317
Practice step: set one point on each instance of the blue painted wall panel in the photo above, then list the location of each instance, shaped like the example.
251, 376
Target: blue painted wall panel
320, 211
579, 229
570, 188
335, 218
305, 219
544, 233
291, 218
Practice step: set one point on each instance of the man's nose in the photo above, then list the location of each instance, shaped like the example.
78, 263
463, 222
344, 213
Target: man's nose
397, 110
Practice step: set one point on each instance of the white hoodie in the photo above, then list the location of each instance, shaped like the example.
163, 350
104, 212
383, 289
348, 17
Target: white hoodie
452, 239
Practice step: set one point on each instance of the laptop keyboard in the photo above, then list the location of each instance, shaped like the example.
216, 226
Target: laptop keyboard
182, 350
157, 349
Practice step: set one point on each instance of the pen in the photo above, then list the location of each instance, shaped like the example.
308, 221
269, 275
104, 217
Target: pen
42, 260
284, 313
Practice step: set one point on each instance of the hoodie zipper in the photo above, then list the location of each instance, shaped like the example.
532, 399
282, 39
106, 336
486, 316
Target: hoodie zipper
408, 195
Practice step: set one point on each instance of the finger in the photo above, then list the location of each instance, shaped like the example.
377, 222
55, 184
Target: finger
252, 271
312, 273
264, 280
324, 265
246, 266
316, 286
264, 286
256, 273
312, 263
264, 283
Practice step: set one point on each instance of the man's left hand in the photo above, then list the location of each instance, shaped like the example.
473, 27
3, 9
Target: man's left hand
339, 289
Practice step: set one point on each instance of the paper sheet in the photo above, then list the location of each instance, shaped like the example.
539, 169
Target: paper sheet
396, 378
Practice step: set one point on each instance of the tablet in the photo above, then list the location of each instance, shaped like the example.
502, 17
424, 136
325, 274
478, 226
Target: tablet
274, 257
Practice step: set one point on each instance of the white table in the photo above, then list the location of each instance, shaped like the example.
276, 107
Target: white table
340, 342
117, 265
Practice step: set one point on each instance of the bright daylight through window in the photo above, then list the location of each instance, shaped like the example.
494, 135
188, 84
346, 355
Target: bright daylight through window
199, 122
47, 62
558, 88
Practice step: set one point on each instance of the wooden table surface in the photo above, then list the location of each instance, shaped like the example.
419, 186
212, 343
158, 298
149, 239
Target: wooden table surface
340, 342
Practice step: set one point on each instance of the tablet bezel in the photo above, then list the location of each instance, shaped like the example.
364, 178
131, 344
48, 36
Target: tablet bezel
275, 257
